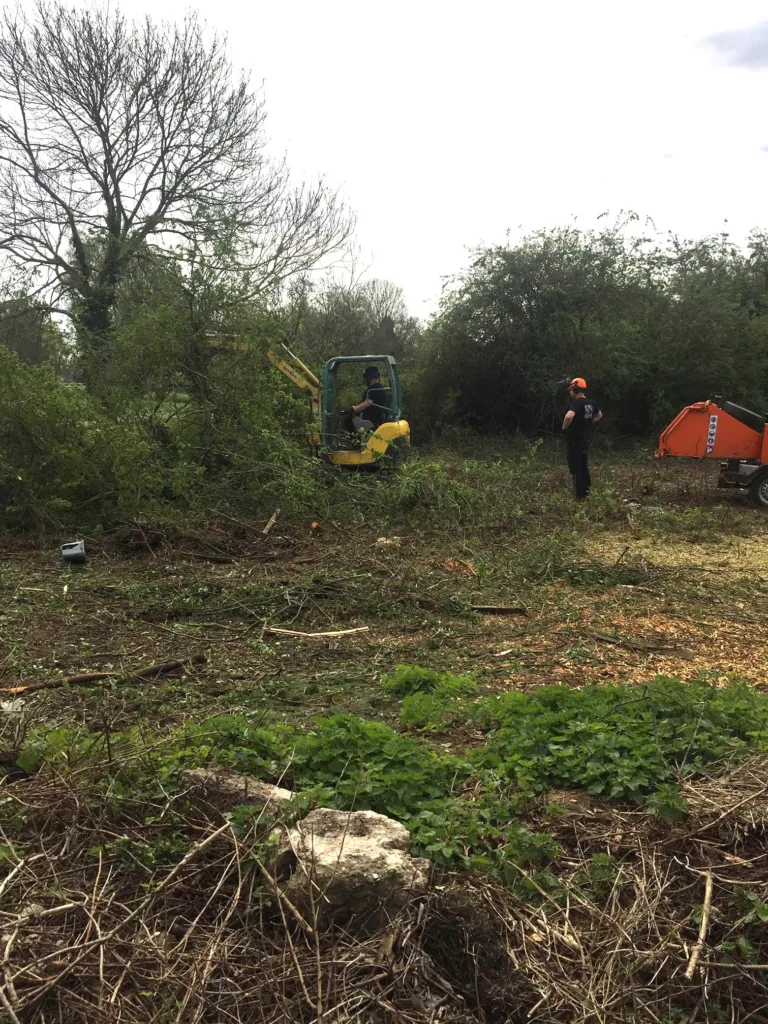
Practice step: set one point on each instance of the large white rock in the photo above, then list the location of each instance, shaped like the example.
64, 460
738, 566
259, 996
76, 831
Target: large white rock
349, 863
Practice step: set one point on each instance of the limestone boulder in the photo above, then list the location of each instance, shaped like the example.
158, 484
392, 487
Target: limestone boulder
348, 864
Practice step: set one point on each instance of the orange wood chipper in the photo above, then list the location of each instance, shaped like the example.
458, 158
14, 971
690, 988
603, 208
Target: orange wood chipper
722, 430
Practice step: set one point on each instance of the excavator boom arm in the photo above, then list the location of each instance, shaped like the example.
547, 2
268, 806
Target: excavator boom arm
308, 383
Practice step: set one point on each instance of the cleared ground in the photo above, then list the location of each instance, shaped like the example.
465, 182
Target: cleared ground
664, 589
124, 901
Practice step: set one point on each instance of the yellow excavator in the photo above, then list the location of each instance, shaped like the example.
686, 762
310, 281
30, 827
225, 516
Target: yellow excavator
333, 435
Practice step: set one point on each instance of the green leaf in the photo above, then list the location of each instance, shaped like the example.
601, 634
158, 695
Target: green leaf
28, 761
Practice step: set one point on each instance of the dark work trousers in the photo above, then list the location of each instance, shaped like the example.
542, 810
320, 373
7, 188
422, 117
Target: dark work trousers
578, 463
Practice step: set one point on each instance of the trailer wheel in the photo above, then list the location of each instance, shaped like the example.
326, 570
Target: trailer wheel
758, 490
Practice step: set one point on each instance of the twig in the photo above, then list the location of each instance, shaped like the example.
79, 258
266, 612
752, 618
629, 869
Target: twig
237, 522
282, 898
8, 1008
271, 522
208, 556
499, 609
333, 632
621, 556
15, 871
702, 928
82, 949
730, 810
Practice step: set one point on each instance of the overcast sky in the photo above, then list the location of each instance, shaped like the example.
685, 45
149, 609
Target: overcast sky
446, 124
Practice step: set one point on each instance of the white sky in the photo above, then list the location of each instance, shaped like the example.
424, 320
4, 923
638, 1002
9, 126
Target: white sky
448, 123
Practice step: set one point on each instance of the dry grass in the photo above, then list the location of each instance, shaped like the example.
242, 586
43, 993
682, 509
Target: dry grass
90, 937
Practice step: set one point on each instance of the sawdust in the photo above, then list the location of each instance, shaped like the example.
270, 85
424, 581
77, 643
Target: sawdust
735, 553
720, 642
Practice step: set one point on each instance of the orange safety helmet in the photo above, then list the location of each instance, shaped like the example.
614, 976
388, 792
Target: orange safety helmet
578, 383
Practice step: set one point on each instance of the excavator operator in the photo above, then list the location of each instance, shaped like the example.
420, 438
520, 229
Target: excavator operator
375, 402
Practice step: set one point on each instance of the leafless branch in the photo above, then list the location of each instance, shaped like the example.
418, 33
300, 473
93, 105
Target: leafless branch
117, 137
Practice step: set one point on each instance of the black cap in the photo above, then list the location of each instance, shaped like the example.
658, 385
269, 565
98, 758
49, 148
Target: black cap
371, 372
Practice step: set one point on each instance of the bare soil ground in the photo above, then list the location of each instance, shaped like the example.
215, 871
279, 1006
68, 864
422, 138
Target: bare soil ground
616, 592
622, 609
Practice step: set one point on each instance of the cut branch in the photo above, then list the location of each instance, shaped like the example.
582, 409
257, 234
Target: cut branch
94, 677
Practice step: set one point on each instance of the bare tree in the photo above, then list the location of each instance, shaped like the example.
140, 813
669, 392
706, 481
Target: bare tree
349, 318
117, 139
385, 299
396, 331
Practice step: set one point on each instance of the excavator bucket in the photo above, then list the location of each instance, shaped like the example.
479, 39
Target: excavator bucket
710, 430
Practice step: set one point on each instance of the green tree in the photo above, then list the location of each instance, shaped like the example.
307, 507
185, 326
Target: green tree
653, 324
28, 330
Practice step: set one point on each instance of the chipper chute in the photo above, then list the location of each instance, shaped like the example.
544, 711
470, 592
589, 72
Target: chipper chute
723, 430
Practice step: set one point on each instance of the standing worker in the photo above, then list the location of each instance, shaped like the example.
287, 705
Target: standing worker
577, 425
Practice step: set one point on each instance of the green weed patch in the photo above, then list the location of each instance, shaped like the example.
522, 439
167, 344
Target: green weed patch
615, 741
626, 744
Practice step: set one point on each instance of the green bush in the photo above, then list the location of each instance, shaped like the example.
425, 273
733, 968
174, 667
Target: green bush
615, 741
411, 679
484, 837
430, 712
69, 463
423, 488
431, 700
347, 761
623, 743
63, 462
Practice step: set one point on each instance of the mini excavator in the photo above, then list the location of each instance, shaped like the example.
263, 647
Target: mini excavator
717, 429
332, 434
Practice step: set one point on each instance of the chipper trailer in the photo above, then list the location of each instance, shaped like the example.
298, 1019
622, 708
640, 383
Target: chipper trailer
722, 430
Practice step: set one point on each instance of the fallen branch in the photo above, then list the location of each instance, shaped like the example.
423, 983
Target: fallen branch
640, 644
167, 666
332, 632
271, 522
94, 677
254, 527
52, 684
499, 609
689, 971
208, 556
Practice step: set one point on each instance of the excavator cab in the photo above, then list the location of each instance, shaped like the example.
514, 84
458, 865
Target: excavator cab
333, 435
341, 379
